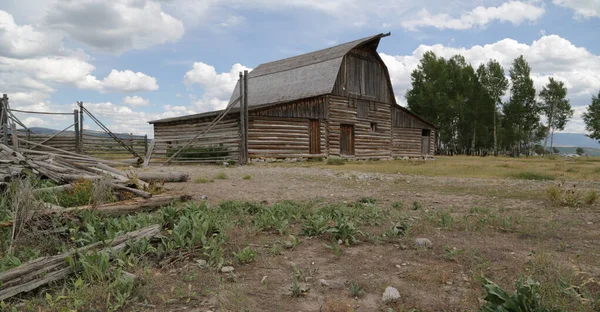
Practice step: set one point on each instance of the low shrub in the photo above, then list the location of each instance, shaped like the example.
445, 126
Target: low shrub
528, 175
221, 176
246, 255
202, 180
335, 161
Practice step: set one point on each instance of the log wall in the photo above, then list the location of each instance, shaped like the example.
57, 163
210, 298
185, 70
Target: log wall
367, 143
280, 137
407, 142
221, 143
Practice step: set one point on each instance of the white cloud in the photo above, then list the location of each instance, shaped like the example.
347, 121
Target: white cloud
135, 101
123, 119
128, 81
217, 87
115, 26
515, 12
582, 8
27, 40
549, 56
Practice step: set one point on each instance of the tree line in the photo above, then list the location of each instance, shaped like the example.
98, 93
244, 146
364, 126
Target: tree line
471, 118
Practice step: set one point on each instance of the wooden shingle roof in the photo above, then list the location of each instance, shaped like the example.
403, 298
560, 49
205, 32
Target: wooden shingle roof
303, 76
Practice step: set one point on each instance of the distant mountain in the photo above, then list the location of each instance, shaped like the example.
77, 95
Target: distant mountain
574, 140
48, 131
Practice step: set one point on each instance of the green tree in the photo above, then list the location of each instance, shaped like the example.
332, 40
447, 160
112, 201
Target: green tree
555, 150
522, 112
493, 81
592, 118
580, 151
555, 106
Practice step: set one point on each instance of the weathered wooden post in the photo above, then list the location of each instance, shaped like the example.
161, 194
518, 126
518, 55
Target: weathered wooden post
246, 119
28, 133
76, 127
4, 118
80, 126
145, 144
242, 121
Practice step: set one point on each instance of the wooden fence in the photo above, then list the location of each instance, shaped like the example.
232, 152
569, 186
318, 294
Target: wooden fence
91, 143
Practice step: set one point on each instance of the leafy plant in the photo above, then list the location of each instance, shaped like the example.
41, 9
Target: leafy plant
526, 297
315, 225
221, 176
335, 247
247, 177
416, 205
397, 205
246, 255
356, 290
343, 229
292, 243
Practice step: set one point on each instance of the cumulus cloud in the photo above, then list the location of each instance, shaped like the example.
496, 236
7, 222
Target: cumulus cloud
217, 87
135, 101
26, 40
515, 12
582, 8
123, 119
114, 26
549, 56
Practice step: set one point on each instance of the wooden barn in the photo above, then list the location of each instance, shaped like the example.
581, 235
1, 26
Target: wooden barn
333, 102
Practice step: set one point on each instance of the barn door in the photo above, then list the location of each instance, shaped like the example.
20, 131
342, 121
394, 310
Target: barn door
425, 141
314, 136
347, 139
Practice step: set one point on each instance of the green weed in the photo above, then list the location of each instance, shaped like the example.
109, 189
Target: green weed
529, 175
221, 176
246, 255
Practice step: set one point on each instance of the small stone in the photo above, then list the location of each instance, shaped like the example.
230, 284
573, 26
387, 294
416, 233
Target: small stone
203, 197
201, 263
390, 294
226, 164
423, 242
263, 280
324, 282
227, 269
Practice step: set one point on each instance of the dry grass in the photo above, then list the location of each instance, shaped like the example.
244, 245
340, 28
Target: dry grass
482, 167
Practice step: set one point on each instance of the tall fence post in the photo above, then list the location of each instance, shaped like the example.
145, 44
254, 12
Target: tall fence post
246, 119
4, 118
28, 134
145, 144
242, 121
76, 127
80, 104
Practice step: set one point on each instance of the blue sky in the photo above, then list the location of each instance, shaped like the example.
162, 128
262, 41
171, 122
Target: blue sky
131, 61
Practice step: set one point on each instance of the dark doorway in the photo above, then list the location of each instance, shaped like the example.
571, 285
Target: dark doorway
314, 136
425, 141
347, 139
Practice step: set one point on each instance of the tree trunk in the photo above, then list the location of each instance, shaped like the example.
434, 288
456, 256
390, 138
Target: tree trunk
552, 141
495, 135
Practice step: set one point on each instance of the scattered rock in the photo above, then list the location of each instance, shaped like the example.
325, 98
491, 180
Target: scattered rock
263, 280
324, 282
226, 164
201, 263
423, 242
332, 284
203, 197
390, 294
227, 269
304, 287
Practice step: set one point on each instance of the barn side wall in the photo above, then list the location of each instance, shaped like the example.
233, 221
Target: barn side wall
407, 135
367, 143
283, 131
222, 142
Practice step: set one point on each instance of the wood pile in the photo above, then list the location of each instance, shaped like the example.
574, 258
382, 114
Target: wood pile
63, 168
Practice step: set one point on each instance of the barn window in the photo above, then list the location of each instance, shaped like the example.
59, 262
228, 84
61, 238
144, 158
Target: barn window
373, 127
362, 109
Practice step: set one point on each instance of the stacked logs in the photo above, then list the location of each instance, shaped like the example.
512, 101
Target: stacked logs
64, 169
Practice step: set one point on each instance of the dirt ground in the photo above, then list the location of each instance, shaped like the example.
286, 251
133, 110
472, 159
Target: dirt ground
532, 238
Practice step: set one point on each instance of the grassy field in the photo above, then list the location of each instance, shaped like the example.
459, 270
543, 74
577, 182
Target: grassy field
318, 237
534, 168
